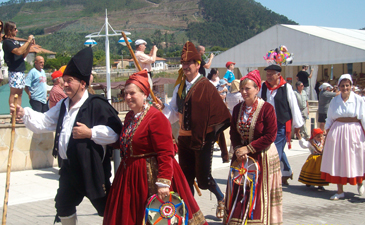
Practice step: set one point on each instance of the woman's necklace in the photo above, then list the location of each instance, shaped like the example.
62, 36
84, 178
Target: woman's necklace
128, 131
244, 125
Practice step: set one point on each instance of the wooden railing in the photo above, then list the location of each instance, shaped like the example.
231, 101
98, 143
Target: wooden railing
120, 106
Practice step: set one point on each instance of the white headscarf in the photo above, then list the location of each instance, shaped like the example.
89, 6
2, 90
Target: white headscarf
344, 76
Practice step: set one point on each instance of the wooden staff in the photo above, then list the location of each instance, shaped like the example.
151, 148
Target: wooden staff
151, 92
6, 198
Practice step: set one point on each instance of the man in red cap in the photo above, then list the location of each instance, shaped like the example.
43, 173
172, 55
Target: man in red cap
229, 76
56, 93
84, 124
202, 115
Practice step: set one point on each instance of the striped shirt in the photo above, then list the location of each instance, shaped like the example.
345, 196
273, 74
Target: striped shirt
55, 95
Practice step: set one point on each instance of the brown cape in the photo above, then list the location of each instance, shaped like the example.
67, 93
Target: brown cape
203, 108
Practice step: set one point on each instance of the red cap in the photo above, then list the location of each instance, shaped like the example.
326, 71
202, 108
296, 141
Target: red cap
56, 74
254, 76
315, 132
229, 63
141, 80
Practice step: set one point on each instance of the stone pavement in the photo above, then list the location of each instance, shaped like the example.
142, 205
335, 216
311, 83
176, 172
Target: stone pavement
32, 192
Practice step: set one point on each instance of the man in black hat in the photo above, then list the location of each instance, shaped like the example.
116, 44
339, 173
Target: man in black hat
281, 95
85, 124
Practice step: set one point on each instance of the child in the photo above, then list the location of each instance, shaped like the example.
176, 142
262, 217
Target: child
222, 89
229, 76
311, 170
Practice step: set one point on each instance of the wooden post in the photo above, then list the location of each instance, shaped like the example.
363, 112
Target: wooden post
10, 157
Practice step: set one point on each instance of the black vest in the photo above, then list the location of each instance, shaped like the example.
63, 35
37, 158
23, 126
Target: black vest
282, 108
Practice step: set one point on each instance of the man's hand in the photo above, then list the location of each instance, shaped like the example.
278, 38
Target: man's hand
211, 56
297, 131
81, 131
158, 105
155, 48
19, 111
30, 38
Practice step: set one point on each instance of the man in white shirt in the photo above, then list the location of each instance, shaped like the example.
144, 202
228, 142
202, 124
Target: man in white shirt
143, 59
281, 95
84, 124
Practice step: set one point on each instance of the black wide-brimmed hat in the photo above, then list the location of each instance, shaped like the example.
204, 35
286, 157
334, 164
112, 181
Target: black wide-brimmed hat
80, 65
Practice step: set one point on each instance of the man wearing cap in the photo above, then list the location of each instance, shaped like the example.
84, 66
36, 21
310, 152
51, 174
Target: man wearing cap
204, 65
229, 76
202, 115
325, 97
143, 59
84, 124
36, 86
276, 92
303, 76
56, 93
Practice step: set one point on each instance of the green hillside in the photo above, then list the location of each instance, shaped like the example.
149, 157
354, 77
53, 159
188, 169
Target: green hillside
61, 25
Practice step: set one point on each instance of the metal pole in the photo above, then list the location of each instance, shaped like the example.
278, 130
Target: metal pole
116, 157
107, 60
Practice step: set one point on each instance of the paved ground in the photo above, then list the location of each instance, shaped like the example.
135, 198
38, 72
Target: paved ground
32, 192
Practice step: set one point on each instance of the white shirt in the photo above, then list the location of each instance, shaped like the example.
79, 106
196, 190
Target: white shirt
353, 107
144, 61
293, 104
171, 110
47, 122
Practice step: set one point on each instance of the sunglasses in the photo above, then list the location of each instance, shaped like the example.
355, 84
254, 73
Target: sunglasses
15, 28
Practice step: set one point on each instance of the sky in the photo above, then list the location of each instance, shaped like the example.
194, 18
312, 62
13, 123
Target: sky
326, 13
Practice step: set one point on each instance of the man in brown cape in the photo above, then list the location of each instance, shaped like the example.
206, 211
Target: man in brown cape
202, 116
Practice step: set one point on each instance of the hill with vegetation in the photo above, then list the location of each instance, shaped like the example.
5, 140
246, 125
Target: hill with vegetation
61, 25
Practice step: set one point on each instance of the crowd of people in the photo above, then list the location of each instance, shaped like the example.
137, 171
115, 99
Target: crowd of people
260, 117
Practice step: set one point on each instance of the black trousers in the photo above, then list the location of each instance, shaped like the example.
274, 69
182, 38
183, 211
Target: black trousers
38, 106
68, 197
197, 163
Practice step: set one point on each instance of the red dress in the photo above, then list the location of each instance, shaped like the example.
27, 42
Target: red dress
149, 158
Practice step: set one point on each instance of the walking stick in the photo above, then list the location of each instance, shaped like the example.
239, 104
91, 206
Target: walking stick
151, 92
6, 198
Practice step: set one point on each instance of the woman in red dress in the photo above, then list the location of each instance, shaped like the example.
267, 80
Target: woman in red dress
253, 131
148, 165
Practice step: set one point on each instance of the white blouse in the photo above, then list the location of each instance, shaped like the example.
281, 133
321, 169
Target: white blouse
353, 107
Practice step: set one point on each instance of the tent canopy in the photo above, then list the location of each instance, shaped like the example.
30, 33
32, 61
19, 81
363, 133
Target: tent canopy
310, 45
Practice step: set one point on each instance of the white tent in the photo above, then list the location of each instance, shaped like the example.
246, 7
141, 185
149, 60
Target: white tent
311, 45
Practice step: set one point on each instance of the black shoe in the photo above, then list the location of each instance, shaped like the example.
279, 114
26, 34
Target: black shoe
307, 185
321, 188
